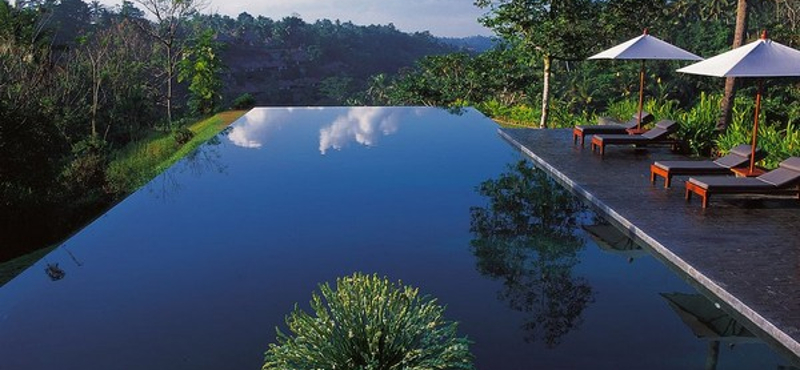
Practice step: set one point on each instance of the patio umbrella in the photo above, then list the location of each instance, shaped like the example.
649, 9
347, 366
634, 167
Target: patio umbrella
708, 322
762, 58
613, 241
645, 47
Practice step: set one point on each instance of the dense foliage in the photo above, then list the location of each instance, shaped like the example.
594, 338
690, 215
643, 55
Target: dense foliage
82, 84
369, 323
583, 90
292, 62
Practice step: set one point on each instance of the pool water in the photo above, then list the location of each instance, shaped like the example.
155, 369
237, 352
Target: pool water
197, 269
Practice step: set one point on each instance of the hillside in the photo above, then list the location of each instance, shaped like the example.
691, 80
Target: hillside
291, 62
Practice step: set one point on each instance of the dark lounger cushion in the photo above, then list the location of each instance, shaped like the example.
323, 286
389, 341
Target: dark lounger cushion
739, 155
742, 150
730, 183
621, 138
785, 175
780, 177
699, 166
792, 163
667, 124
732, 160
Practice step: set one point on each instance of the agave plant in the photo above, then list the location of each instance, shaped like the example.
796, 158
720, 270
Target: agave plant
369, 323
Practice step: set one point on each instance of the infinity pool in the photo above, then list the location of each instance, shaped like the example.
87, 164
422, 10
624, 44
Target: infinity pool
197, 269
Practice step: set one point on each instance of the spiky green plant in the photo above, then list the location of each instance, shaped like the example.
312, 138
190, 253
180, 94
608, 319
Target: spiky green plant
780, 140
369, 323
698, 125
624, 109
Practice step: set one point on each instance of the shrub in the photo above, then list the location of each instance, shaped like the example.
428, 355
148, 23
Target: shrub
369, 323
244, 101
182, 135
529, 115
698, 126
778, 143
85, 172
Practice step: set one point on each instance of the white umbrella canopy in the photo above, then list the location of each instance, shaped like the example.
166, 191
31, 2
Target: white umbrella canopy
645, 47
761, 59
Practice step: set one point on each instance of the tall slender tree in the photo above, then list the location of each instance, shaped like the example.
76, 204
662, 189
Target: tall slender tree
169, 17
552, 29
730, 82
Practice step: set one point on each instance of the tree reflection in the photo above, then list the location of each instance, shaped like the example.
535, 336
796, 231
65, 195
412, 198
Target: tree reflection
205, 159
54, 272
525, 237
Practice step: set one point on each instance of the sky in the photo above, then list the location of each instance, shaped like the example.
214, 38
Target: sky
446, 18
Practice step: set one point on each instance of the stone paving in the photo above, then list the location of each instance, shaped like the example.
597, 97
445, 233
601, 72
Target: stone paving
743, 249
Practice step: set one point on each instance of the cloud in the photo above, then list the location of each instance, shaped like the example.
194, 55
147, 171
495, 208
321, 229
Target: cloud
256, 127
364, 125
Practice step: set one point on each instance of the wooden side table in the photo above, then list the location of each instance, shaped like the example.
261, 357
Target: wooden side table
745, 171
636, 131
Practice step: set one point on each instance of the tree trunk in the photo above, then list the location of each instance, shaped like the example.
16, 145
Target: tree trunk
170, 72
95, 100
730, 82
712, 358
545, 91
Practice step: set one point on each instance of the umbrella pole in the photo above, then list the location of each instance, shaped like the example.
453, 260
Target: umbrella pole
755, 126
641, 95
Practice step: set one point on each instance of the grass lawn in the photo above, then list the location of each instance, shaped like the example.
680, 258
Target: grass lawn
138, 163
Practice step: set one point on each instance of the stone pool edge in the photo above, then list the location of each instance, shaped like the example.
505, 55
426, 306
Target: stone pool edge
729, 299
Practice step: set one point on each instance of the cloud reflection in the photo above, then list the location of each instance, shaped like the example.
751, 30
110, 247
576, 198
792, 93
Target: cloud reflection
257, 126
364, 125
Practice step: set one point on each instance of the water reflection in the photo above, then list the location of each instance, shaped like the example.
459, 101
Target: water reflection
257, 126
708, 321
364, 125
525, 237
205, 159
612, 241
54, 272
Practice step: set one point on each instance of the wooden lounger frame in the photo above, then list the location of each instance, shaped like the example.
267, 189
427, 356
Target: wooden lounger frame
704, 194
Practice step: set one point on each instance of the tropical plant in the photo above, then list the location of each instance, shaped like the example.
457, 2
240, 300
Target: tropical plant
623, 109
779, 143
201, 65
697, 126
369, 323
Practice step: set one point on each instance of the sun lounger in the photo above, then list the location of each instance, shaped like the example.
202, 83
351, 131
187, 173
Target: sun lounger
609, 126
657, 135
737, 157
784, 179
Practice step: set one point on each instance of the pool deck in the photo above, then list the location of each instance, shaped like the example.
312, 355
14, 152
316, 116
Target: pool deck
744, 250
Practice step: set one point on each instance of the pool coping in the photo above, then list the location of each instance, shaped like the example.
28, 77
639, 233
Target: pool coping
661, 248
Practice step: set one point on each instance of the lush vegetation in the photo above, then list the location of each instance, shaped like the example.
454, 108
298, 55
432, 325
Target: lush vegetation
292, 62
537, 74
96, 101
139, 162
369, 323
